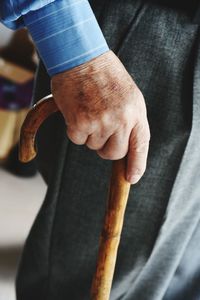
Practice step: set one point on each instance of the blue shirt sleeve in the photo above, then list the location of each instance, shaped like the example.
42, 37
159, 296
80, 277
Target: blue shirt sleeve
65, 32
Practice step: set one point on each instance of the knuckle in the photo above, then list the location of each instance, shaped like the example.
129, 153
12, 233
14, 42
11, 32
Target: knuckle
101, 154
126, 116
106, 121
141, 149
70, 135
121, 152
141, 134
75, 137
80, 124
92, 146
116, 156
124, 129
106, 155
112, 155
95, 142
139, 146
123, 116
142, 146
139, 171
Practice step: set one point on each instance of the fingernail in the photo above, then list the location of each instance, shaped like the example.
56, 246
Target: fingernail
133, 178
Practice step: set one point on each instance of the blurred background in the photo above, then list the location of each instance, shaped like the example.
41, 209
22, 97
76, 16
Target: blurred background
22, 189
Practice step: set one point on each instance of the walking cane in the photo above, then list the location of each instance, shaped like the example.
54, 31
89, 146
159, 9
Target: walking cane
117, 200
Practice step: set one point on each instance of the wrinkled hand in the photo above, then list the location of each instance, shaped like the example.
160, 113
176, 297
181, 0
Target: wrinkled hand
104, 109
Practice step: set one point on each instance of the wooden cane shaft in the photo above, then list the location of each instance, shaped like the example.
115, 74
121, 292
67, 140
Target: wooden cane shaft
111, 233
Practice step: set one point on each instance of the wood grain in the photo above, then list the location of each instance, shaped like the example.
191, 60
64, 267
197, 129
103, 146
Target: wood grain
111, 233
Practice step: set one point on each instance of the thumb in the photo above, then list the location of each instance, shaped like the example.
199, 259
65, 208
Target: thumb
137, 153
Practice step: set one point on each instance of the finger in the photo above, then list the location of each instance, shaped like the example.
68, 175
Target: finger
116, 147
77, 137
137, 153
97, 140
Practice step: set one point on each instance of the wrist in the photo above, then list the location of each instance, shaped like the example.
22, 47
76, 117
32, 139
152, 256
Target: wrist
88, 69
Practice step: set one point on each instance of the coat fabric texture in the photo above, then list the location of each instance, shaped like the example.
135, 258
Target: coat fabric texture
159, 258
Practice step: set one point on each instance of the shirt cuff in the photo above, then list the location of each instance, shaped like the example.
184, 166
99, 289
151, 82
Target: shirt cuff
66, 34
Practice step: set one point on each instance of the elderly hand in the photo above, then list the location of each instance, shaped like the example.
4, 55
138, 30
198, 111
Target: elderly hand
104, 109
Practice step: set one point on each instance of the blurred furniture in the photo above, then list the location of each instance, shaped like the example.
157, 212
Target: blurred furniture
17, 68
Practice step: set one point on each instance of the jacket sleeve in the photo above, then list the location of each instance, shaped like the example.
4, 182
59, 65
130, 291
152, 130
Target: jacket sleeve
65, 32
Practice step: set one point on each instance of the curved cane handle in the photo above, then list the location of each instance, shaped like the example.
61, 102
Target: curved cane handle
35, 117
